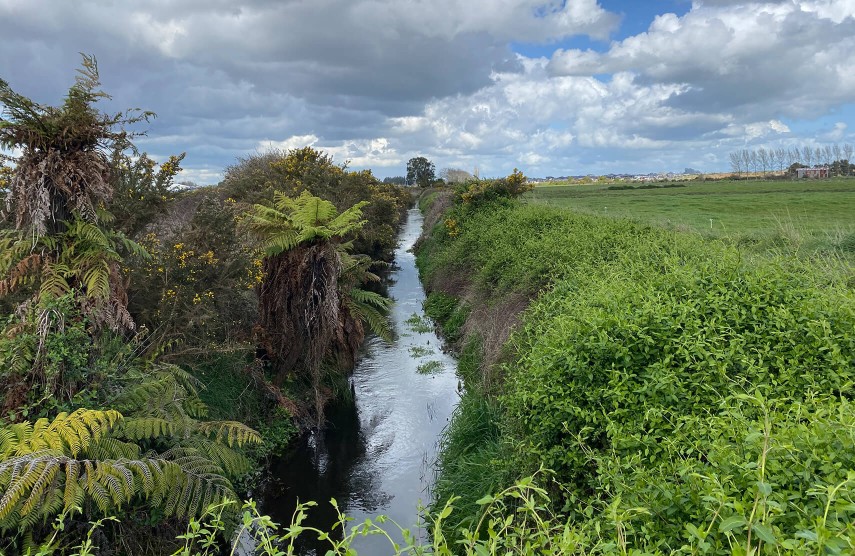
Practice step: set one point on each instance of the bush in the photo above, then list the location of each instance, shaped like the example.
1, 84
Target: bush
198, 286
481, 191
655, 337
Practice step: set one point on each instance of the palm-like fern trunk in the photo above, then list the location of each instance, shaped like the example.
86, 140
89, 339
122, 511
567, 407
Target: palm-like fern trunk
299, 312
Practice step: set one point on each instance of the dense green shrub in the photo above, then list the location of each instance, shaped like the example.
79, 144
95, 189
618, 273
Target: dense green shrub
632, 346
198, 284
506, 247
777, 476
688, 397
476, 192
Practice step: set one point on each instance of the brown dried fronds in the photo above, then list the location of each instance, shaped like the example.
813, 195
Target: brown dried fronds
64, 167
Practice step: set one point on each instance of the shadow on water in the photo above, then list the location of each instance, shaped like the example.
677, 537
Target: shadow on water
319, 468
376, 453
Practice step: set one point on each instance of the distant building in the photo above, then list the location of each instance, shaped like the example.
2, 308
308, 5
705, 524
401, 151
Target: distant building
812, 173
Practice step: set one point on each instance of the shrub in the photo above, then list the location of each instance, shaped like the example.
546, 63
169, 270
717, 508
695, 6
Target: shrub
636, 345
480, 191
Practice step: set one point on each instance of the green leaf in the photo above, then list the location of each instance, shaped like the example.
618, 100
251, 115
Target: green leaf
732, 523
765, 533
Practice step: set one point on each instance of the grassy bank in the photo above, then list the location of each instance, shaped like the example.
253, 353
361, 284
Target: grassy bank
690, 396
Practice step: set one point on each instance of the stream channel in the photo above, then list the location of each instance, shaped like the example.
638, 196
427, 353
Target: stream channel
376, 455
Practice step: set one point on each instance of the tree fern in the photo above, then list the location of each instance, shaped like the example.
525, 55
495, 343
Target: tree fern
306, 307
52, 466
306, 219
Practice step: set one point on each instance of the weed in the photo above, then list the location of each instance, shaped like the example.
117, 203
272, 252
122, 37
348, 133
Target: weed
430, 367
420, 351
418, 324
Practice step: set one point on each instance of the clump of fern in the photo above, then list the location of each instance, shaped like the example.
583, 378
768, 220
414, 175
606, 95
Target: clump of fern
157, 452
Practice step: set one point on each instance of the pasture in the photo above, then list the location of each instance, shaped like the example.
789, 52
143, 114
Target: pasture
820, 211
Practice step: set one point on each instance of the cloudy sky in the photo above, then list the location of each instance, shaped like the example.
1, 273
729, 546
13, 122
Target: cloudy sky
554, 87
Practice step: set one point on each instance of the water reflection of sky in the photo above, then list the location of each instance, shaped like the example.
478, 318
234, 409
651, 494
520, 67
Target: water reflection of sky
376, 457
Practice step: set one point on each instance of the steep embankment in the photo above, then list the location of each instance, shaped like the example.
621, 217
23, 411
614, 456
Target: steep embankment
687, 396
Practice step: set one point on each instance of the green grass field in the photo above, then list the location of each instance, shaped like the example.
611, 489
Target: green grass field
817, 210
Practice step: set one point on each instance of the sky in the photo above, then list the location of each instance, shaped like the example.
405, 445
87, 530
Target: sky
552, 87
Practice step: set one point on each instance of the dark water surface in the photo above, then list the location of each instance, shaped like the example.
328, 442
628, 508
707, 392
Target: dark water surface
376, 456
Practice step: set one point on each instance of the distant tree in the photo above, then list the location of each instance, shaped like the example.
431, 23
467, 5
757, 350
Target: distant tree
807, 156
420, 171
745, 155
781, 156
455, 175
773, 160
395, 180
847, 153
763, 159
736, 162
827, 155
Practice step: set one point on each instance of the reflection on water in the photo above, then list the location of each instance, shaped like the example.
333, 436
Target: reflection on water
374, 455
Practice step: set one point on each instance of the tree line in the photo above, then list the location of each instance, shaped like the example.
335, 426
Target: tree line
835, 157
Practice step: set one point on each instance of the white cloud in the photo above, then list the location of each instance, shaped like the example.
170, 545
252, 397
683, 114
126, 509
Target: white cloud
754, 59
836, 134
293, 142
376, 82
358, 153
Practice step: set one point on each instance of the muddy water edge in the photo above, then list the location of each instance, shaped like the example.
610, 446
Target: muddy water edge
376, 454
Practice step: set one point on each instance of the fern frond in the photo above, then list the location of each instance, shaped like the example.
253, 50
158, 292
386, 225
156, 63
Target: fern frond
113, 448
281, 241
377, 321
348, 221
38, 485
370, 298
371, 308
145, 428
231, 461
66, 434
232, 433
165, 391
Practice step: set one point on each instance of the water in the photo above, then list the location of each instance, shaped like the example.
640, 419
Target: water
376, 455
